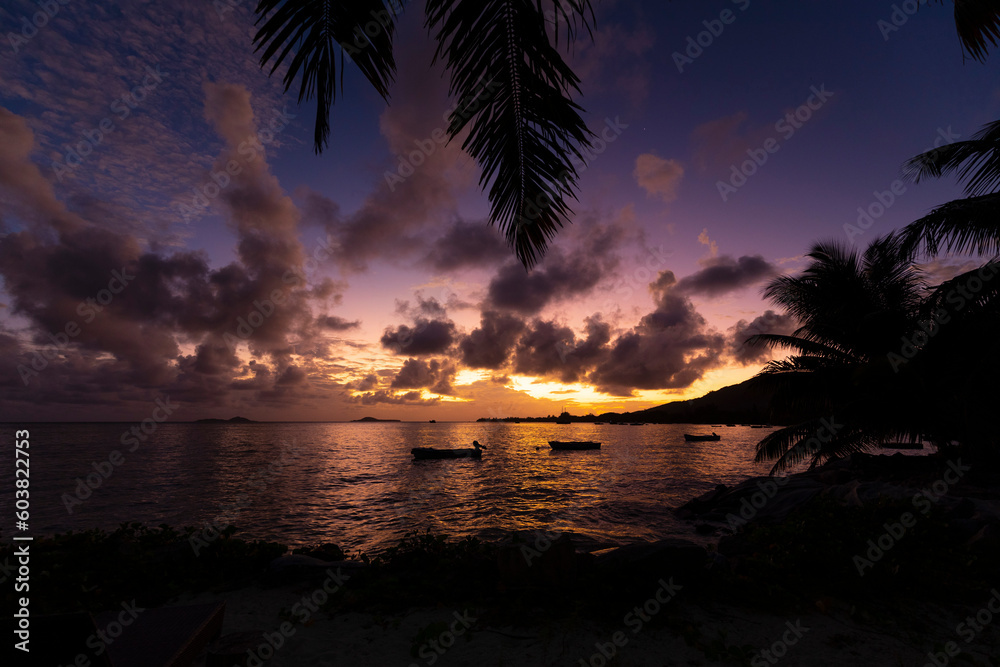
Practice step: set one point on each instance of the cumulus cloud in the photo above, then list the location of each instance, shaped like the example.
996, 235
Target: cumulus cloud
387, 397
769, 322
560, 275
118, 313
658, 177
713, 247
552, 350
335, 323
724, 274
425, 337
435, 375
465, 245
490, 344
670, 348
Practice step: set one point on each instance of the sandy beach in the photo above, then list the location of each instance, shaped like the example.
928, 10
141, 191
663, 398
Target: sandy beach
831, 638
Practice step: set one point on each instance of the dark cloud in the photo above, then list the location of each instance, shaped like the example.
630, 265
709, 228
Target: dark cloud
423, 338
430, 308
670, 348
465, 245
367, 383
336, 323
551, 350
291, 376
393, 220
387, 397
490, 345
419, 374
559, 275
768, 323
114, 313
725, 274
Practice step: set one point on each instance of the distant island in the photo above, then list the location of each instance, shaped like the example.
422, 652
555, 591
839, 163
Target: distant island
749, 402
234, 420
373, 419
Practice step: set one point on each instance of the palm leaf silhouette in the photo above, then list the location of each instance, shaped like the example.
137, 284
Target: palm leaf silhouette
314, 32
515, 89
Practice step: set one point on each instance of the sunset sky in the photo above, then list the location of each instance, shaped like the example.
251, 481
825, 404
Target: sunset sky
118, 121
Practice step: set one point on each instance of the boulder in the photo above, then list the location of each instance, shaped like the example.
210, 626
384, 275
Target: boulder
670, 557
536, 558
299, 567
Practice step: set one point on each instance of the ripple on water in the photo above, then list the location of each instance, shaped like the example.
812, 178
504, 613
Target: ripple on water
356, 484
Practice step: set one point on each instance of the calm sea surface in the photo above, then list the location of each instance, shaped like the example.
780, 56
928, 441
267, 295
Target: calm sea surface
356, 484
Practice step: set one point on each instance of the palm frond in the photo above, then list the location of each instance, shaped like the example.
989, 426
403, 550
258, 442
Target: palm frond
514, 88
800, 344
976, 162
813, 441
313, 32
978, 25
974, 303
962, 226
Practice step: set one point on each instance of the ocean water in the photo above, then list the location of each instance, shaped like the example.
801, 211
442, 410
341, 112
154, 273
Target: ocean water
355, 484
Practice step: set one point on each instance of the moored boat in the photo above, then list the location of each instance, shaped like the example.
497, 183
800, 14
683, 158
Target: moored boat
423, 453
702, 438
568, 445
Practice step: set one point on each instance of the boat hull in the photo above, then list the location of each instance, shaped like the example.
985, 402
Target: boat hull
426, 453
701, 438
560, 445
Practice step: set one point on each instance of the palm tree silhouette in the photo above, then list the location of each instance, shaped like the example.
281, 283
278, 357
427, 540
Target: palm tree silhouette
882, 356
852, 310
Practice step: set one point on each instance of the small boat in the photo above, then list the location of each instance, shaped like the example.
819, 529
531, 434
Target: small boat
702, 438
730, 425
423, 453
567, 445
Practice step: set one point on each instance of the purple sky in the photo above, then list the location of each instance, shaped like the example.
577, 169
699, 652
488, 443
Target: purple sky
115, 116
